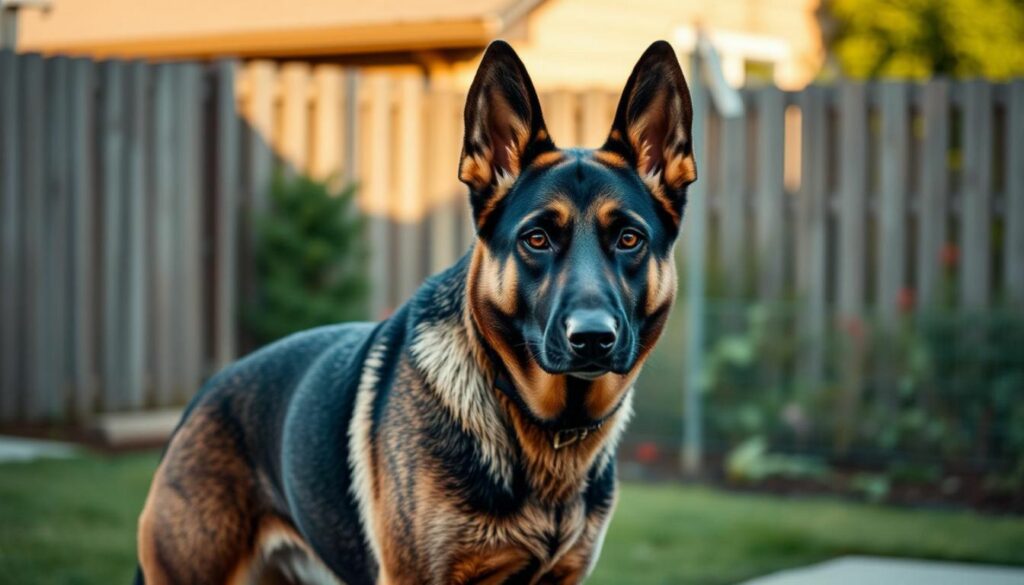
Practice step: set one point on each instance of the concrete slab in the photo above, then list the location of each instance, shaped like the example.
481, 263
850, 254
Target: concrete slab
18, 449
855, 570
137, 428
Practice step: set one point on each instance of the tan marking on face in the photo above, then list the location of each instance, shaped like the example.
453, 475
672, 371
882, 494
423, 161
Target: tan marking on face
548, 159
542, 134
606, 209
563, 210
615, 135
611, 159
680, 171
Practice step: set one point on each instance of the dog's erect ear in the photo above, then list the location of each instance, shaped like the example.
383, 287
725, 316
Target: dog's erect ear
504, 128
651, 131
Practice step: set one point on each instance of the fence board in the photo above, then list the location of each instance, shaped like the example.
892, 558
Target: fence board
328, 89
559, 108
111, 130
595, 117
57, 229
1013, 253
81, 182
294, 141
191, 134
933, 201
771, 203
226, 215
442, 148
732, 151
376, 178
853, 173
895, 154
11, 250
136, 204
166, 152
34, 201
811, 237
975, 208
410, 188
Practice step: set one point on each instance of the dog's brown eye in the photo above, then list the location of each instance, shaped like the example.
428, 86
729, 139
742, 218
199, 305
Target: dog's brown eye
537, 240
629, 239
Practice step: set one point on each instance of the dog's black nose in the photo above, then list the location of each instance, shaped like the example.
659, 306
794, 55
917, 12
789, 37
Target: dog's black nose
591, 333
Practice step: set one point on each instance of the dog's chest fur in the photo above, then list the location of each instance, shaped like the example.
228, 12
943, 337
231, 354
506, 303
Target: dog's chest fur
443, 482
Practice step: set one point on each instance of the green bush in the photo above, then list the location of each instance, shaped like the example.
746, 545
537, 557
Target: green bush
310, 259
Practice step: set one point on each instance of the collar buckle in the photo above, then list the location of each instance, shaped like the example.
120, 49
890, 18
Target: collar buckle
568, 437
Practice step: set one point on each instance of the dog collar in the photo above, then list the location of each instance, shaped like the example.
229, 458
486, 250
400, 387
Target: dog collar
566, 437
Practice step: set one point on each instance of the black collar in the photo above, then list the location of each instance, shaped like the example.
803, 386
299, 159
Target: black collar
560, 436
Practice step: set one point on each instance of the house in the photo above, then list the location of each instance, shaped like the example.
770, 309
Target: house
566, 44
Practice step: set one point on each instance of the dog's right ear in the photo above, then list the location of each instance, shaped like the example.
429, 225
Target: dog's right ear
505, 129
652, 127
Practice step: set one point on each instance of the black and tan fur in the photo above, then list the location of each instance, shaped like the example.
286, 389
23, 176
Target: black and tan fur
470, 437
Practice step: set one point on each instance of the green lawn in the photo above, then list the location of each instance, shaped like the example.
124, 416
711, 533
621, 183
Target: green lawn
74, 522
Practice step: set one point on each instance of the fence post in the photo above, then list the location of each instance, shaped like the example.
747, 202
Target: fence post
694, 228
376, 187
137, 198
895, 155
165, 235
733, 164
11, 252
1013, 256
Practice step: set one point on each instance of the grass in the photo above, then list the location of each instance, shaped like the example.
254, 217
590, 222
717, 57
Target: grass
73, 522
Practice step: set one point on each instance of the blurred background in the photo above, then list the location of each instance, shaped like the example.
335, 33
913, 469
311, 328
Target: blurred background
182, 182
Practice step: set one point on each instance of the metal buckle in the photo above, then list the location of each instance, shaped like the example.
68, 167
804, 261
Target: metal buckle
568, 437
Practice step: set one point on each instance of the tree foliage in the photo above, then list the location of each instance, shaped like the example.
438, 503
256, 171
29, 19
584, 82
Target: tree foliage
311, 260
922, 38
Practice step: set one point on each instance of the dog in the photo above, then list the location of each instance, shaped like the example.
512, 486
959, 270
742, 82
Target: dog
470, 437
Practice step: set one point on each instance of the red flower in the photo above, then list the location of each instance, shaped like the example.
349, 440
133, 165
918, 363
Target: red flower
949, 255
646, 452
854, 327
905, 299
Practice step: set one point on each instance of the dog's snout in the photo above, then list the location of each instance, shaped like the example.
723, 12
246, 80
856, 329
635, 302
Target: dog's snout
591, 333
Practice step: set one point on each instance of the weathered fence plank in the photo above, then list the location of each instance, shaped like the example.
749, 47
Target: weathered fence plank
166, 156
57, 229
1013, 250
976, 196
559, 109
732, 153
294, 142
771, 203
191, 133
376, 181
328, 133
409, 188
136, 202
595, 117
81, 181
892, 224
811, 236
442, 161
853, 187
111, 130
933, 200
34, 200
226, 214
11, 250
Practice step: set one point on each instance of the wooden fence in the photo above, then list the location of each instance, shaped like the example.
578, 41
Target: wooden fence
127, 190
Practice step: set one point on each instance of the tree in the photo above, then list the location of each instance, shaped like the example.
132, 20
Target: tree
311, 260
922, 38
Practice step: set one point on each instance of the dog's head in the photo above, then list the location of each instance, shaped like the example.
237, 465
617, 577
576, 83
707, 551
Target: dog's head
572, 276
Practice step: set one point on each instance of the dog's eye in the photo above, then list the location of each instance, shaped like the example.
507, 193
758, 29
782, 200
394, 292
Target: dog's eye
629, 239
537, 239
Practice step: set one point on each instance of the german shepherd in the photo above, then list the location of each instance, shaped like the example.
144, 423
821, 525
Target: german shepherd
470, 437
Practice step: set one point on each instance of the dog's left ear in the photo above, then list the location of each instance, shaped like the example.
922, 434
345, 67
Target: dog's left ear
504, 128
651, 131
